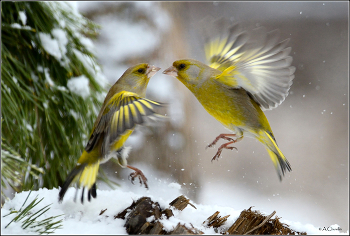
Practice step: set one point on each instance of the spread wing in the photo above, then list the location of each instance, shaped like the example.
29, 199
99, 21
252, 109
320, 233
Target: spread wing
257, 63
123, 112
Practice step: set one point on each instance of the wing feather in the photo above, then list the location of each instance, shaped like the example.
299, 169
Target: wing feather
257, 63
122, 113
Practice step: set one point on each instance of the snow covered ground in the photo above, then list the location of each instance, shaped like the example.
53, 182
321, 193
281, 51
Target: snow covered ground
85, 219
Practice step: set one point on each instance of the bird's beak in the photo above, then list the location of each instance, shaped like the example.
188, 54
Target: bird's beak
151, 70
172, 71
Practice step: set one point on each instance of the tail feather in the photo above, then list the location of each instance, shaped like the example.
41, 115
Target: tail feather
82, 195
85, 176
92, 192
282, 161
279, 160
69, 180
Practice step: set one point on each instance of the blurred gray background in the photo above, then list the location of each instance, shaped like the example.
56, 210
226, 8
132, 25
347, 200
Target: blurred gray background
311, 125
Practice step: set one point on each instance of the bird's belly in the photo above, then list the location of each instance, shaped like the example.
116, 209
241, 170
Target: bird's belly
226, 112
233, 108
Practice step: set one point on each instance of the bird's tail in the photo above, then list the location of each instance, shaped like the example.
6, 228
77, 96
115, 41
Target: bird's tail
84, 175
279, 160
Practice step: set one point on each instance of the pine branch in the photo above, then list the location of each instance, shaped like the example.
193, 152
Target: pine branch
43, 226
45, 122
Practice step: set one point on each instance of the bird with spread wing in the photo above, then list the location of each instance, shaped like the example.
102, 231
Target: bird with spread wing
124, 107
245, 76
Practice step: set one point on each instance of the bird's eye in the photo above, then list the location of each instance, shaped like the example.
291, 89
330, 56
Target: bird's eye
141, 70
181, 66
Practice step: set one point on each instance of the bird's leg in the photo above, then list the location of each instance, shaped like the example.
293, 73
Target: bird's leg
225, 145
223, 136
138, 173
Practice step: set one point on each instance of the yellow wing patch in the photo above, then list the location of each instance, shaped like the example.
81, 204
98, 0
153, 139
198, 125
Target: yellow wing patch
257, 62
126, 110
121, 114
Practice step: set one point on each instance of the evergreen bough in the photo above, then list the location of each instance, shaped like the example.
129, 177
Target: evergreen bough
45, 122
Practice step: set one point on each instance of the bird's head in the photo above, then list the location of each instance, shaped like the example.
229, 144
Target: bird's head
190, 72
136, 78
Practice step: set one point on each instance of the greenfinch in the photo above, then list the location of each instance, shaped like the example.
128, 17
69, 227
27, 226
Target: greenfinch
245, 76
124, 107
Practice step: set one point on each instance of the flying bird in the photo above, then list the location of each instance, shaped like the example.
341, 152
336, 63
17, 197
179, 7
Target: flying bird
244, 76
124, 107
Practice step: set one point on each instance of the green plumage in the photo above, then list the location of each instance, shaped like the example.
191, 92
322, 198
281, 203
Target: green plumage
243, 78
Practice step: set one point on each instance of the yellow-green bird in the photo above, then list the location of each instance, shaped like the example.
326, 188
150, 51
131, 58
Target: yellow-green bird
244, 77
124, 107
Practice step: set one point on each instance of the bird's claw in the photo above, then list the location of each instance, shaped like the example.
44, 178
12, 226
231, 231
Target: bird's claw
210, 145
231, 148
216, 157
221, 136
218, 153
142, 178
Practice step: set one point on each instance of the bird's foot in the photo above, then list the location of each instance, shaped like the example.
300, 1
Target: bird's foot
137, 174
225, 145
223, 136
217, 155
